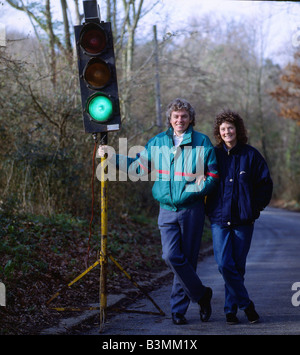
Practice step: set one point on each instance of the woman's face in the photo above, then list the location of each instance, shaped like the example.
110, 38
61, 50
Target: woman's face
228, 134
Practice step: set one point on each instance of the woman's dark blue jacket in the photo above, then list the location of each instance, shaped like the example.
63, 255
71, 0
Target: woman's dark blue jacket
245, 186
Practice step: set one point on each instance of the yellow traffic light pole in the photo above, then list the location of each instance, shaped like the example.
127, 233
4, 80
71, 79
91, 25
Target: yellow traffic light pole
103, 253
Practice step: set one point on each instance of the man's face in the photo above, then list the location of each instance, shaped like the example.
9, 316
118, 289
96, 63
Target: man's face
180, 121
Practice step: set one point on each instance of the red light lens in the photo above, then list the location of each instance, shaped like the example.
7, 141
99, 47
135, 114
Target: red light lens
93, 39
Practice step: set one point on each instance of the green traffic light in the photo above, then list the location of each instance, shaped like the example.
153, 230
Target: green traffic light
100, 108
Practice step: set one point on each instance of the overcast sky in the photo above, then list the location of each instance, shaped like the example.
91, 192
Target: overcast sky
282, 18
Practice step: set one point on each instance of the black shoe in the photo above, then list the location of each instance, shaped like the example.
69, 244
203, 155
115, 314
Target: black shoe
205, 306
231, 318
251, 313
178, 318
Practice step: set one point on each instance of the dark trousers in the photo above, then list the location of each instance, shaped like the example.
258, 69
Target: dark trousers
181, 234
231, 247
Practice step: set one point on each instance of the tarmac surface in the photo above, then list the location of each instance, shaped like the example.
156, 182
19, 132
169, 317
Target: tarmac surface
273, 267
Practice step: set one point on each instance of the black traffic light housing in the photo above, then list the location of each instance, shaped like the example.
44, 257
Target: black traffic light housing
97, 74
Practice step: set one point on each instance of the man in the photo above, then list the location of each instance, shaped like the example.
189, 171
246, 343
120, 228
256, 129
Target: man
186, 171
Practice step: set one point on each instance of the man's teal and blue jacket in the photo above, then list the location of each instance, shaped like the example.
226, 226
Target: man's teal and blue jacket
175, 170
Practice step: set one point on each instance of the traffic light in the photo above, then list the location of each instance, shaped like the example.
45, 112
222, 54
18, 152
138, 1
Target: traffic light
97, 76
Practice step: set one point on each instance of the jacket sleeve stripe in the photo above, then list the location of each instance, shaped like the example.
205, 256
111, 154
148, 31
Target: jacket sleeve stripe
163, 172
216, 176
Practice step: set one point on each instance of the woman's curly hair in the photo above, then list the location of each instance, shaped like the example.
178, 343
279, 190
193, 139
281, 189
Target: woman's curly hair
236, 120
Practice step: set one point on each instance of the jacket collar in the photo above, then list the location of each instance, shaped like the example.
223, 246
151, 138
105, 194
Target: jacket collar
187, 137
233, 150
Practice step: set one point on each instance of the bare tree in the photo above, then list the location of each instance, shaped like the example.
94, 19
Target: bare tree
34, 11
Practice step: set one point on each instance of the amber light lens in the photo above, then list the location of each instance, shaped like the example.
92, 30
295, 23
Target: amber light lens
97, 73
93, 39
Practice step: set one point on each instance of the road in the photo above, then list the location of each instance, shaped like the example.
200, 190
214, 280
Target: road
273, 266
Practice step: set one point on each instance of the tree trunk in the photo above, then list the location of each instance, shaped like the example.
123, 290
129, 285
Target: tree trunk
51, 43
66, 30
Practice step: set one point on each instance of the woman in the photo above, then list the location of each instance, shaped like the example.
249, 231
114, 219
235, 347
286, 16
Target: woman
245, 189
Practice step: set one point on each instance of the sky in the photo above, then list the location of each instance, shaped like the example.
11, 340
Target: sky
281, 19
